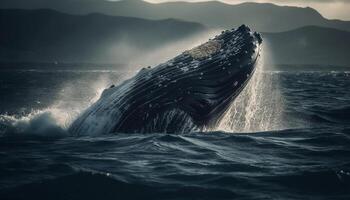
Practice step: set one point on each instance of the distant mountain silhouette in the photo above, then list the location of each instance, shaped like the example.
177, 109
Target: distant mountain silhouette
47, 35
261, 17
310, 45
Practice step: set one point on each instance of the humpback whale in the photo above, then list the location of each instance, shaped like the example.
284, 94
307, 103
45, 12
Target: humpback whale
189, 92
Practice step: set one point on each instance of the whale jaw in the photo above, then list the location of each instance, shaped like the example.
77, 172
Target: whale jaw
189, 92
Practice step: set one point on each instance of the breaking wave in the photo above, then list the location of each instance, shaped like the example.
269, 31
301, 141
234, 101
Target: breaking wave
50, 122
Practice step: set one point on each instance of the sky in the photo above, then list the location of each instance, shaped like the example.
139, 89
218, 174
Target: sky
331, 9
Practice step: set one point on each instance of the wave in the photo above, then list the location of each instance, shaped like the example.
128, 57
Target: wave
86, 185
294, 163
338, 115
48, 123
91, 184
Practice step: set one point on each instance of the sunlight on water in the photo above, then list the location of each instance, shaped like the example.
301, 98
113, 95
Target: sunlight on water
259, 107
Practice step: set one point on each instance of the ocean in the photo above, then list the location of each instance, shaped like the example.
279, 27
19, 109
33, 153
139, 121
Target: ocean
287, 136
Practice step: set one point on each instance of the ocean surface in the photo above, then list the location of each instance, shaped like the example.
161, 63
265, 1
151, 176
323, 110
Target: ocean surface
286, 137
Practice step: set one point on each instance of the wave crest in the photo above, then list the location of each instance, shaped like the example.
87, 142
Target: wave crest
49, 122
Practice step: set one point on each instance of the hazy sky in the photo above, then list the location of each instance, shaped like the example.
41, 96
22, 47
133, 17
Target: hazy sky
333, 9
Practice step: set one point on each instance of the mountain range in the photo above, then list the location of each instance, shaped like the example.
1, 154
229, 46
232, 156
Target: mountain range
47, 35
309, 45
263, 17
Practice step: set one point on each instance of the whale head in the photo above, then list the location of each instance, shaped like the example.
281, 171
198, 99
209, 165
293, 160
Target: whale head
192, 90
224, 66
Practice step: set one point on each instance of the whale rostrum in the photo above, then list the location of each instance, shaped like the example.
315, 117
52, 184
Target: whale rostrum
187, 93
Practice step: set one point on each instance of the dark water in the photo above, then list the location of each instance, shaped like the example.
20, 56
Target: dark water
307, 158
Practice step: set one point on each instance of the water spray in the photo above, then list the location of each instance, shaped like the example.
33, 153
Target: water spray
259, 106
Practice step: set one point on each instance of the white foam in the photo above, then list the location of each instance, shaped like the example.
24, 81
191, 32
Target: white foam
49, 122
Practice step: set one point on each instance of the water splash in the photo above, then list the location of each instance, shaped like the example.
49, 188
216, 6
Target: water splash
48, 122
55, 119
259, 107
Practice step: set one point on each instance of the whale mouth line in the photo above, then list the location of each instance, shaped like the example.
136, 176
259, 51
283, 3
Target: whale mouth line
191, 91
